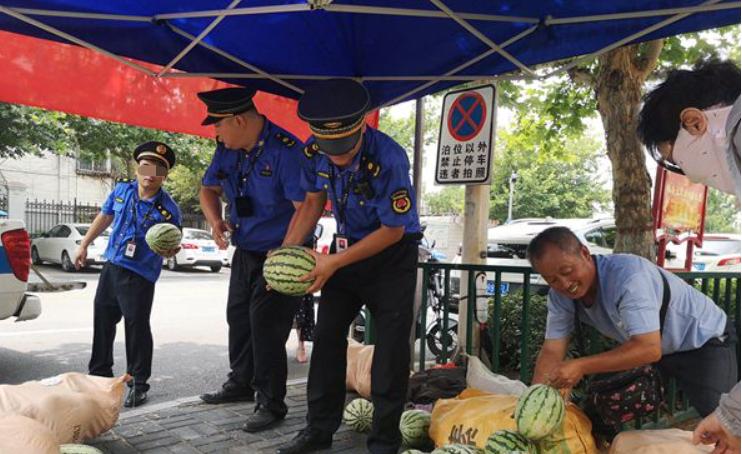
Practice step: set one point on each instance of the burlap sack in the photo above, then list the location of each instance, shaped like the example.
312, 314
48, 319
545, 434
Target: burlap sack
358, 370
20, 434
74, 406
473, 416
666, 441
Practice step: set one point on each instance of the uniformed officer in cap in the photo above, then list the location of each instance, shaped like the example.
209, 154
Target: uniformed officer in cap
256, 168
373, 260
127, 282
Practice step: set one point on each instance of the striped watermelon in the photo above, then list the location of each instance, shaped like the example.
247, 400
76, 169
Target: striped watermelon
414, 425
284, 267
540, 411
163, 237
508, 442
457, 448
359, 414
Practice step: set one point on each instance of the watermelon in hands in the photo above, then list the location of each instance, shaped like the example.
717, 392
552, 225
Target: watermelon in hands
283, 268
539, 412
163, 238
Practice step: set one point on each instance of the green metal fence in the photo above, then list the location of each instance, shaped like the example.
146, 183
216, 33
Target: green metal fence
723, 288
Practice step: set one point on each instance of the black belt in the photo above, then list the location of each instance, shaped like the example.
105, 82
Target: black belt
406, 238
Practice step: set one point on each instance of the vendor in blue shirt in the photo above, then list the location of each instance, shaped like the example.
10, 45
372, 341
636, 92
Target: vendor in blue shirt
621, 296
256, 169
127, 282
373, 260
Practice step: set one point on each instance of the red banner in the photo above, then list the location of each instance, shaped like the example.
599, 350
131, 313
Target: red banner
76, 80
679, 211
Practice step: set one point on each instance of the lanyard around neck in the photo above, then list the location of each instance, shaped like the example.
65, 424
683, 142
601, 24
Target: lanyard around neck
242, 178
135, 209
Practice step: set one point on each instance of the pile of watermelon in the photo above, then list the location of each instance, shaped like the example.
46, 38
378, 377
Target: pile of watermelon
539, 413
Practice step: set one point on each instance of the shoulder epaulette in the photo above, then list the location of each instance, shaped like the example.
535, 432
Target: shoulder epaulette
311, 150
124, 180
286, 140
164, 212
373, 168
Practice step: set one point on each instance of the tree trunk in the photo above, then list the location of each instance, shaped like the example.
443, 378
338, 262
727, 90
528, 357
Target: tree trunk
618, 89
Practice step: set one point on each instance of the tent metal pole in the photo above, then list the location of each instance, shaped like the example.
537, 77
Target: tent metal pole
642, 14
81, 15
361, 9
623, 41
427, 13
297, 8
471, 29
462, 78
236, 60
197, 39
73, 39
461, 67
417, 163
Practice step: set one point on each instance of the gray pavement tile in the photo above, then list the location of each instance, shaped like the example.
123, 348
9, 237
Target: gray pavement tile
210, 439
170, 425
222, 446
186, 433
147, 438
183, 448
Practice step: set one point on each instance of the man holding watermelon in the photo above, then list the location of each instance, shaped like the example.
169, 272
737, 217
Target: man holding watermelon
654, 315
127, 282
373, 260
256, 168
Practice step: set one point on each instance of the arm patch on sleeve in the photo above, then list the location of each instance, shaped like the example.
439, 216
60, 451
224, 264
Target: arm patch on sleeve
401, 202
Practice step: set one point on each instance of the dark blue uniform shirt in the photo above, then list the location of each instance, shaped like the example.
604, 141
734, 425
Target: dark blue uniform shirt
271, 182
132, 218
375, 190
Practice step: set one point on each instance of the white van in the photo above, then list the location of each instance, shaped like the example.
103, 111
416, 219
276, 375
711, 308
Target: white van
506, 246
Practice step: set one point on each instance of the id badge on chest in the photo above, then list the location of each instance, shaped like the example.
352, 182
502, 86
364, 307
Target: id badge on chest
341, 243
131, 249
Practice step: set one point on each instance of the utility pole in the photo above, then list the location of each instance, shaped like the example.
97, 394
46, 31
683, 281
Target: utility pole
513, 179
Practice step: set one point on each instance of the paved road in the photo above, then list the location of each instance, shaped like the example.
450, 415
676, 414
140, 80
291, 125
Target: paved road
188, 324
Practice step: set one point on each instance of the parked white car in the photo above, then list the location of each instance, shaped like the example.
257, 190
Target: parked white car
506, 246
720, 252
15, 265
197, 248
60, 244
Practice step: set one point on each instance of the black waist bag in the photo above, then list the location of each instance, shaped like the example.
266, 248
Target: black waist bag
627, 395
621, 397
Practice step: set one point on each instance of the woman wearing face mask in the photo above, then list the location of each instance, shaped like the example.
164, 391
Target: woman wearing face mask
690, 124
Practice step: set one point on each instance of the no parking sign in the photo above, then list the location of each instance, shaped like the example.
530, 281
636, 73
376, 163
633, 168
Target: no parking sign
465, 138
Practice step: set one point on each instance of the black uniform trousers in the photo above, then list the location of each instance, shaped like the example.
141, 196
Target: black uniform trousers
259, 325
385, 283
705, 373
123, 292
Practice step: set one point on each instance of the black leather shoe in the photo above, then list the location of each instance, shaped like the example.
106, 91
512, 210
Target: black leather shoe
135, 398
229, 393
262, 419
306, 441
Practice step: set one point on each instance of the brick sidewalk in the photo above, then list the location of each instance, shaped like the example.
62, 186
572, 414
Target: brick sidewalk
191, 426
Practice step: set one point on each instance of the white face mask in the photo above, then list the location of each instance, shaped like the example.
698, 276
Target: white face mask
703, 158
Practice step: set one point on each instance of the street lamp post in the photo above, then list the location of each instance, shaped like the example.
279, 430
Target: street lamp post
513, 179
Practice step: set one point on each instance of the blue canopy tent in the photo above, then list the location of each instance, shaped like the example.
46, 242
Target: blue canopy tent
400, 49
